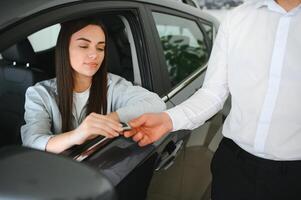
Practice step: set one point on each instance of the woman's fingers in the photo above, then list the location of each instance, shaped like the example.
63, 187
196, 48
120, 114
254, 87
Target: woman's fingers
105, 131
101, 122
105, 118
97, 124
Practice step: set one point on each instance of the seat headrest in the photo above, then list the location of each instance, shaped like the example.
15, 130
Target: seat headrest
113, 57
113, 23
21, 53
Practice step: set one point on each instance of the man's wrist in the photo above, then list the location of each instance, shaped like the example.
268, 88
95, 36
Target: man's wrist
168, 122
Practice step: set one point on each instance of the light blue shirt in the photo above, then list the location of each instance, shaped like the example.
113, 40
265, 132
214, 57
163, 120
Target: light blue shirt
43, 118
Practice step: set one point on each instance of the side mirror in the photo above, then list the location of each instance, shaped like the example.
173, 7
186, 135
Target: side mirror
31, 174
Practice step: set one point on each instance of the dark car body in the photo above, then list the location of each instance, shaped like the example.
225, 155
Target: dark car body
169, 60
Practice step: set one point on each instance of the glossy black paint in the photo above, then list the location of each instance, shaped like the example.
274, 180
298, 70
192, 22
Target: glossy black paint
30, 174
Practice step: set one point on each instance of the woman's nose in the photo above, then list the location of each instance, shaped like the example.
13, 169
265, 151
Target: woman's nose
92, 55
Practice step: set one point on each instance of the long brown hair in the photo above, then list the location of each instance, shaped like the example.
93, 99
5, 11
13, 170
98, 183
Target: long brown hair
97, 101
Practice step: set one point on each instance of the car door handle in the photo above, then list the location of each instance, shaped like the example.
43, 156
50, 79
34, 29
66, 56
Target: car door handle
169, 155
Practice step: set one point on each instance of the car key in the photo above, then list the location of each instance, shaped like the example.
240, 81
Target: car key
126, 126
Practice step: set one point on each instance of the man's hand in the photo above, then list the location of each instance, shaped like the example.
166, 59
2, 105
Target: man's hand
149, 128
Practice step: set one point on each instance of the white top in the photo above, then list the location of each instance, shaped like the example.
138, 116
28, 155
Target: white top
256, 57
80, 100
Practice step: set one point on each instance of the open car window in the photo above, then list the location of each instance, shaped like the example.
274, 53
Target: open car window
32, 59
45, 38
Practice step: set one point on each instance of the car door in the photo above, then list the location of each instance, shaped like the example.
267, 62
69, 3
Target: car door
182, 47
121, 160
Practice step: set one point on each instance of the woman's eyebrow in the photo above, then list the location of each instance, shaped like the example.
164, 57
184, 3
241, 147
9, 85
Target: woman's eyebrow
85, 39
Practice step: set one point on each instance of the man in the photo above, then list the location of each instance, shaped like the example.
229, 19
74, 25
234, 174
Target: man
256, 59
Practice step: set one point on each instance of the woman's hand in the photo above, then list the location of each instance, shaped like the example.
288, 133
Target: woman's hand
96, 124
113, 116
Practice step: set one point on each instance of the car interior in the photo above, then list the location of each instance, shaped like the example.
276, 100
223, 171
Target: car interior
22, 67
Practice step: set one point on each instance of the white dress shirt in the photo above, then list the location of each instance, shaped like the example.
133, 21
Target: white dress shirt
257, 59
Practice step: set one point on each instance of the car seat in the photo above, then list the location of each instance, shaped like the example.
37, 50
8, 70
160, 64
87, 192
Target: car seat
17, 73
119, 51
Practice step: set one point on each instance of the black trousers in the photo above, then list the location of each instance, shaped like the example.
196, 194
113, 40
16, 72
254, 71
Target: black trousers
238, 175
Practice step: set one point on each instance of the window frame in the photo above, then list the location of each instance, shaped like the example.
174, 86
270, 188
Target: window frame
173, 90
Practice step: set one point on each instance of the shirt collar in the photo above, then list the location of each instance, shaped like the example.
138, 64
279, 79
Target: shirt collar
274, 6
271, 5
261, 3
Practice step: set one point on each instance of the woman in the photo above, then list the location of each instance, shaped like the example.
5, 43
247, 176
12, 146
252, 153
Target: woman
83, 101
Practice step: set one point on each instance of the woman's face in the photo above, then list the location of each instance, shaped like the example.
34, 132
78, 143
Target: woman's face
86, 50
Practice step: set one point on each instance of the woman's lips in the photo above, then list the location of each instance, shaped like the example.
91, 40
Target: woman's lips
92, 64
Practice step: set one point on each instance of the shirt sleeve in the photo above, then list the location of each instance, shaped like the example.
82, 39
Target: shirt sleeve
37, 129
131, 101
209, 99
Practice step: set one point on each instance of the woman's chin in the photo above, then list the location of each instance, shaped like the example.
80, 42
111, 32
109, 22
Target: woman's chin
87, 74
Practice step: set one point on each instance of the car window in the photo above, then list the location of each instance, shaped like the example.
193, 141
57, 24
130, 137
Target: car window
45, 38
183, 44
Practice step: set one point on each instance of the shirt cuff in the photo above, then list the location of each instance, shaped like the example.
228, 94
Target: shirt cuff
178, 118
41, 142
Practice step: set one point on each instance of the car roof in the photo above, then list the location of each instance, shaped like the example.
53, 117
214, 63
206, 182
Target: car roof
15, 10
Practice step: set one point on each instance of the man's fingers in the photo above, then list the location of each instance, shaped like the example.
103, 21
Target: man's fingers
137, 122
129, 133
144, 141
138, 137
